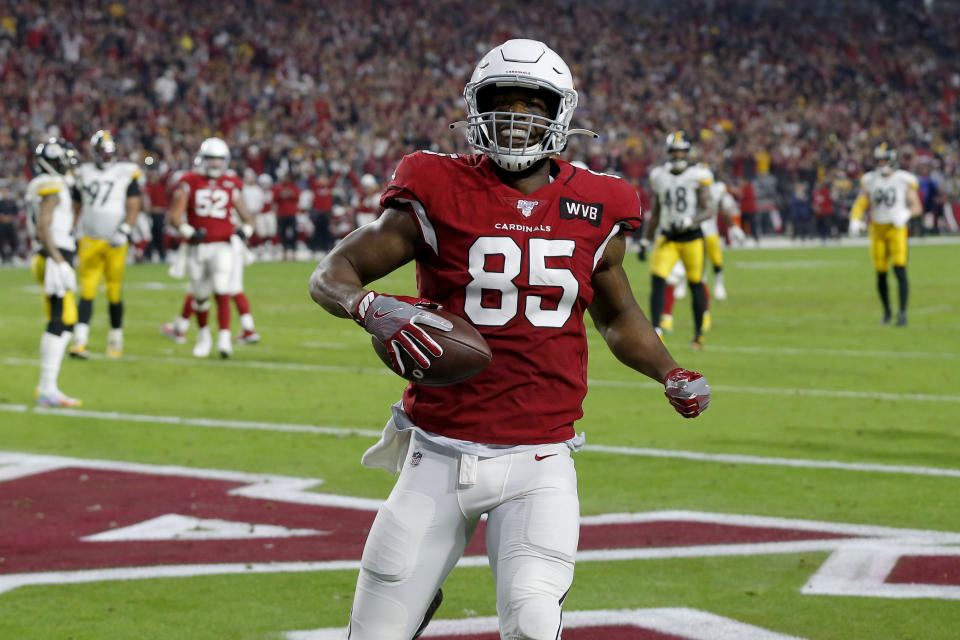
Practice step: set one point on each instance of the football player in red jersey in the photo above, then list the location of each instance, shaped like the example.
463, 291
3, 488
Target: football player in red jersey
522, 245
201, 212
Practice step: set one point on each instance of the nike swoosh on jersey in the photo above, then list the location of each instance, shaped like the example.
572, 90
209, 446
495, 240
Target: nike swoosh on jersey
539, 458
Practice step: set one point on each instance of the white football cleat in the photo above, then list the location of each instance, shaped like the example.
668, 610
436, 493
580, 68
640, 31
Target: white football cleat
225, 343
204, 343
719, 291
248, 337
168, 329
56, 398
115, 343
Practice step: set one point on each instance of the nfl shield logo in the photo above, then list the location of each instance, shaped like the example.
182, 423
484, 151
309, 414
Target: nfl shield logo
415, 459
526, 207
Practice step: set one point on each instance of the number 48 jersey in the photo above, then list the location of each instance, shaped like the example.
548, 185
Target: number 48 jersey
677, 194
210, 203
519, 268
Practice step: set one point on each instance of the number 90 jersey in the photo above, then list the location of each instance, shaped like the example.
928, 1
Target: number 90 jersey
210, 203
519, 268
888, 196
677, 195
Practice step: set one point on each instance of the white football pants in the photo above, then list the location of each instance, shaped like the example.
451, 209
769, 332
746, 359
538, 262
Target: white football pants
424, 526
210, 266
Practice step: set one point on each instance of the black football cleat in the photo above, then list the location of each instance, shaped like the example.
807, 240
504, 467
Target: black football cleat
886, 318
902, 319
432, 609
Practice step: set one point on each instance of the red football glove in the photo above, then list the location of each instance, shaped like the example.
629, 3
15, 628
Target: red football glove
394, 319
687, 391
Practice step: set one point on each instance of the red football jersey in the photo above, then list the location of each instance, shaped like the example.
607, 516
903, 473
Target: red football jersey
210, 203
519, 268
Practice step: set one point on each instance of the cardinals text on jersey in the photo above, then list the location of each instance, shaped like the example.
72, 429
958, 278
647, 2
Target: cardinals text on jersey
104, 195
888, 196
519, 268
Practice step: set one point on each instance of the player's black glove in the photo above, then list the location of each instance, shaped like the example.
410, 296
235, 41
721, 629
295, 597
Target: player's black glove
244, 232
121, 236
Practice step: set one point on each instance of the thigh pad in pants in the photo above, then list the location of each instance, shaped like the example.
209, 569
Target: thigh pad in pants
394, 542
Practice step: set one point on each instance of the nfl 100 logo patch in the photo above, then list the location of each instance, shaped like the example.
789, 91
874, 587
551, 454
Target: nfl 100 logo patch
416, 458
526, 207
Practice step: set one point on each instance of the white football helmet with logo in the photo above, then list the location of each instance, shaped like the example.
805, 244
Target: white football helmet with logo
214, 157
528, 64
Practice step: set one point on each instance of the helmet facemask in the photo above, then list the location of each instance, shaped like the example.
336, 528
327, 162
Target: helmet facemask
678, 151
214, 157
103, 148
516, 140
886, 159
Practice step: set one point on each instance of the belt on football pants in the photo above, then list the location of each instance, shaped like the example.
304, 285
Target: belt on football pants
468, 469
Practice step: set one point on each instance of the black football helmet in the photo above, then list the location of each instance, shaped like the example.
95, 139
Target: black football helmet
102, 148
678, 151
885, 157
54, 156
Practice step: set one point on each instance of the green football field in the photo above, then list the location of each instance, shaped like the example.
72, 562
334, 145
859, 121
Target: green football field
821, 420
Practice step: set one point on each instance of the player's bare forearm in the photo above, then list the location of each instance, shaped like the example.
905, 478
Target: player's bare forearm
335, 285
245, 215
913, 201
367, 254
178, 207
653, 220
133, 209
623, 325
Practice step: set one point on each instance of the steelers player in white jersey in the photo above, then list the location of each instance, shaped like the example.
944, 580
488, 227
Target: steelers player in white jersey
50, 224
722, 203
679, 204
891, 196
109, 196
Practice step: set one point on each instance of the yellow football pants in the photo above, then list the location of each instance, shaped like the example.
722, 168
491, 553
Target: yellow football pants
714, 251
888, 243
666, 253
69, 315
97, 258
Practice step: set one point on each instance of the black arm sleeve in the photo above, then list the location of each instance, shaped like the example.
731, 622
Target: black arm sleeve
133, 189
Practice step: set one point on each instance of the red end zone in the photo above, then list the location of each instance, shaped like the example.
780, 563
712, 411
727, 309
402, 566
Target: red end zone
69, 520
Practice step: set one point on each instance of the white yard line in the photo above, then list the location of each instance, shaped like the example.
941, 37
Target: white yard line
726, 458
593, 382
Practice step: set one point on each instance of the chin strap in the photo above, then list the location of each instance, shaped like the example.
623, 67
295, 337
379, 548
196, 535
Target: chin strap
582, 132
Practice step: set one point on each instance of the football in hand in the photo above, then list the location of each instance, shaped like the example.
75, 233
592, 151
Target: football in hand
465, 354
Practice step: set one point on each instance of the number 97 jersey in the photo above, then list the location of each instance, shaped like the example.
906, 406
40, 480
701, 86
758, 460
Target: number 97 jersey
210, 203
520, 269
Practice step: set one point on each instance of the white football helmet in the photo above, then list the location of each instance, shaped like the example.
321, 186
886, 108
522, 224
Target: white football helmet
214, 157
678, 150
528, 64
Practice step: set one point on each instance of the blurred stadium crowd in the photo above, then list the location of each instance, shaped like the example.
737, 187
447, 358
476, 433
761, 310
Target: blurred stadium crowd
785, 100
